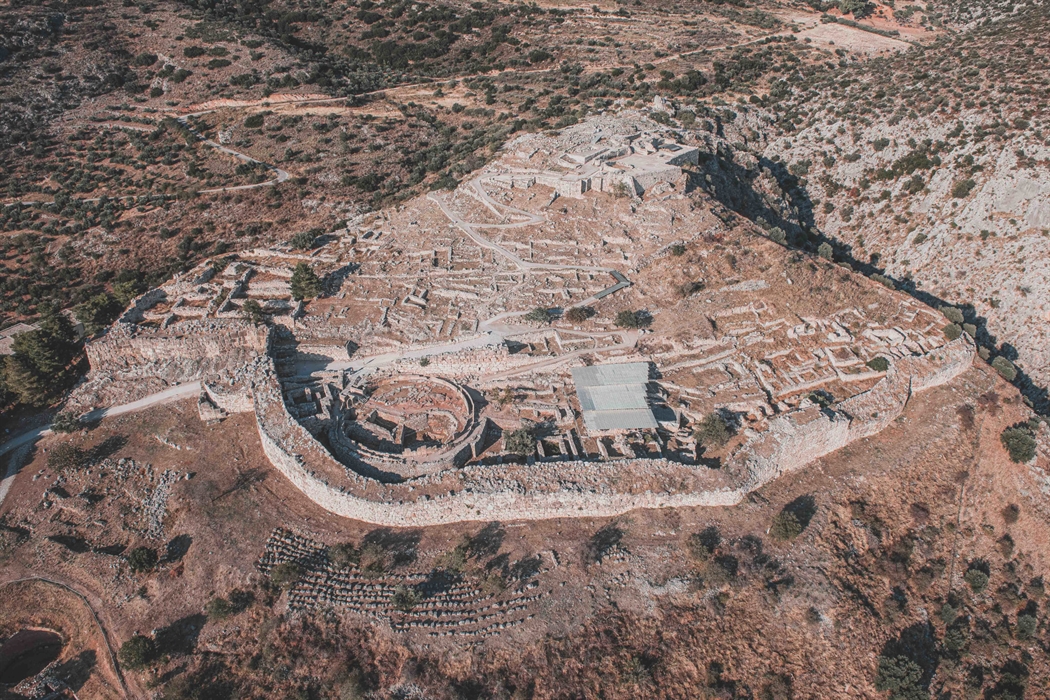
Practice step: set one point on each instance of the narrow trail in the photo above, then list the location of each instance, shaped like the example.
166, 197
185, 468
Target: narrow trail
172, 394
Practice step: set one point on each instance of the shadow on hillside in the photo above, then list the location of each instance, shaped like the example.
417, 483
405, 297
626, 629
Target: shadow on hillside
733, 185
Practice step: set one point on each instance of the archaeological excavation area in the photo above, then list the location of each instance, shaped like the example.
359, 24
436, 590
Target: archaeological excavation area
530, 347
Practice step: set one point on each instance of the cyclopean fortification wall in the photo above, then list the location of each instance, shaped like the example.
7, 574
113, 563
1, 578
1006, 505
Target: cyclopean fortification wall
589, 489
795, 439
212, 345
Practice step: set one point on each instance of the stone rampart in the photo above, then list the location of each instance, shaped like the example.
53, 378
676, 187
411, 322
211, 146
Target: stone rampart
585, 489
212, 344
796, 439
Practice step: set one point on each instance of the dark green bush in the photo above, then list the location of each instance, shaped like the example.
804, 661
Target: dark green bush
138, 652
285, 575
539, 315
1019, 443
879, 364
1005, 368
977, 579
142, 559
632, 319
713, 430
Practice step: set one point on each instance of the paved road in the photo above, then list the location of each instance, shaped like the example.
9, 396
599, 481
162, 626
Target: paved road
175, 393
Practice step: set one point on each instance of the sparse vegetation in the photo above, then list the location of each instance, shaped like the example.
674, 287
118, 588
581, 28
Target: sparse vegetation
65, 456
521, 441
632, 319
879, 364
252, 311
713, 431
305, 284
65, 423
579, 314
539, 315
285, 575
1005, 368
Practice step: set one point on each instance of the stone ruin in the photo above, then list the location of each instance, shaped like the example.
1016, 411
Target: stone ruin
392, 397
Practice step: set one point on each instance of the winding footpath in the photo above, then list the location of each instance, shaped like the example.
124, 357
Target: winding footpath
172, 394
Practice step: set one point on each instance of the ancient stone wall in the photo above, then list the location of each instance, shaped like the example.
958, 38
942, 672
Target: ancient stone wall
790, 442
126, 347
796, 439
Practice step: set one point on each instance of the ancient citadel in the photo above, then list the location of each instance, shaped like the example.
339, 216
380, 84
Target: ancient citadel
393, 397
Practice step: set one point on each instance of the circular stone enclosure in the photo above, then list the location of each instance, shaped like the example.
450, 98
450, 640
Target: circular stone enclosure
409, 424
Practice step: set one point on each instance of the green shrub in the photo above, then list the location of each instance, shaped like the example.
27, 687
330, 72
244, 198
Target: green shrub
825, 250
252, 311
194, 51
1019, 443
702, 545
98, 312
793, 518
254, 121
678, 250
285, 575
538, 315
142, 559
884, 281
404, 598
137, 652
962, 188
879, 364
305, 284
578, 314
343, 555
1026, 625
901, 676
713, 430
520, 442
304, 240
952, 331
952, 313
632, 319
65, 423
218, 609
785, 526
977, 580
1005, 368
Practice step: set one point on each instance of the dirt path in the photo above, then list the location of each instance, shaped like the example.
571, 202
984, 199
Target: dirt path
175, 393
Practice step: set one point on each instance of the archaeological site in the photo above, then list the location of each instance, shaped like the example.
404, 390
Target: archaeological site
482, 350
443, 376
